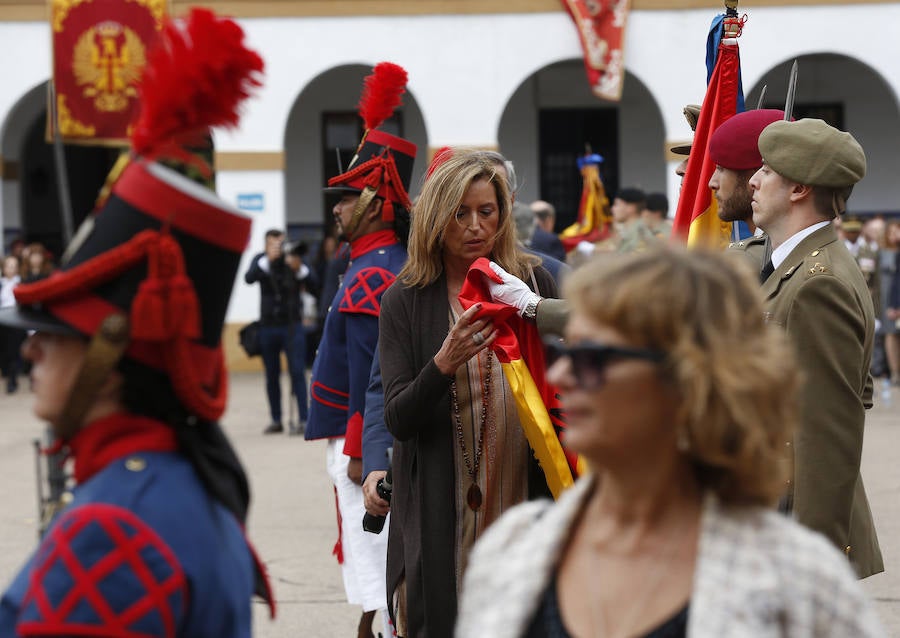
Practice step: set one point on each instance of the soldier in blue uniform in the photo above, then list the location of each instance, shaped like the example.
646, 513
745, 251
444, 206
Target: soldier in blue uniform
128, 371
372, 215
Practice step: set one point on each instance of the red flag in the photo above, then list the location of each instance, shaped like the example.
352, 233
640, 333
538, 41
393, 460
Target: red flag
601, 29
593, 221
696, 218
99, 51
520, 352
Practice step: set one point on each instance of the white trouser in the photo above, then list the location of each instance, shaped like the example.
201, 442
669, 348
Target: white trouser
365, 553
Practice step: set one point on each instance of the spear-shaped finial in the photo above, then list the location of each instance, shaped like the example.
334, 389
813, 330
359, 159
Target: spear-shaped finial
791, 93
762, 96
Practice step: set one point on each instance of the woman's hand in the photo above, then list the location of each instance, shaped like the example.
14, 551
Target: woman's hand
466, 338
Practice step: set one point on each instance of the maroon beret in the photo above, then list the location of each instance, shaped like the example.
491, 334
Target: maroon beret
734, 144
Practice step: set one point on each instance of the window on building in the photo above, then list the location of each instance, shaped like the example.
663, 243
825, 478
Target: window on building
831, 112
565, 135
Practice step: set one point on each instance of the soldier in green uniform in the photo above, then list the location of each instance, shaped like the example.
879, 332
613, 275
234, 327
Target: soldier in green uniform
866, 255
818, 294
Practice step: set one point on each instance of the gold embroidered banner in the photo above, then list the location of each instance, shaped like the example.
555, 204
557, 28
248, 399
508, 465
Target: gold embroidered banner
99, 50
601, 29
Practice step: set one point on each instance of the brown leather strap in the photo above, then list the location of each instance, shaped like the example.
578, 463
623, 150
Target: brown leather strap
104, 351
365, 198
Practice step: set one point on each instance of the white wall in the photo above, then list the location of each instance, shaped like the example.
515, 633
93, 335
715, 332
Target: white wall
467, 71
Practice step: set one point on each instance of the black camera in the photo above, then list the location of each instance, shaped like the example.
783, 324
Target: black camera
297, 248
384, 487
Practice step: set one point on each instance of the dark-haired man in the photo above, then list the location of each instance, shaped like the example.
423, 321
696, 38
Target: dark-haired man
372, 215
280, 277
734, 148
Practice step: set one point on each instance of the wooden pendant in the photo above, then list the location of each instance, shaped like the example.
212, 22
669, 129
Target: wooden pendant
473, 497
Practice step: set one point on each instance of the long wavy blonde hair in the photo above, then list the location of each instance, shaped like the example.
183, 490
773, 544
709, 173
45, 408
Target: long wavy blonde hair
438, 202
736, 375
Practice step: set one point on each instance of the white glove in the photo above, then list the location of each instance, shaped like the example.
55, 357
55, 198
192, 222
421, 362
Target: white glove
512, 292
585, 248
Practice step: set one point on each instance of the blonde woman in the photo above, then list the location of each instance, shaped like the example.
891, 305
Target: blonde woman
681, 399
461, 458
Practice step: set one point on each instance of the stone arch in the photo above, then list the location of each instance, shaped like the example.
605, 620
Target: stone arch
632, 147
335, 90
867, 106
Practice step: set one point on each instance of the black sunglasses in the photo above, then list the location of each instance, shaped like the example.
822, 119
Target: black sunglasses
589, 360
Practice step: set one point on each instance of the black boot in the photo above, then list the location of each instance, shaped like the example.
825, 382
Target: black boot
274, 428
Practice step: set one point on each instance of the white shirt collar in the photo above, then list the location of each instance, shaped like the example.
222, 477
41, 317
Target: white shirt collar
781, 253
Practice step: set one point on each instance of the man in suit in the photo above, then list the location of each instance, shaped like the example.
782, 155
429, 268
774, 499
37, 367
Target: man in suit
543, 237
817, 293
656, 215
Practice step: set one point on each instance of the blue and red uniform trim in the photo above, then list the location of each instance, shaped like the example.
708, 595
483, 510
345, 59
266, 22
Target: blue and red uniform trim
341, 370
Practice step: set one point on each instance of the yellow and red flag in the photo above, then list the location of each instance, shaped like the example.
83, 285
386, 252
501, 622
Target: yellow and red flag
520, 351
99, 51
696, 218
593, 221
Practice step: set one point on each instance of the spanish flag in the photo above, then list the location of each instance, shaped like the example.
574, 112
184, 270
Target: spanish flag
521, 354
696, 218
593, 210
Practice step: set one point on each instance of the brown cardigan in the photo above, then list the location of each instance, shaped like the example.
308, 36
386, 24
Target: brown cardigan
413, 324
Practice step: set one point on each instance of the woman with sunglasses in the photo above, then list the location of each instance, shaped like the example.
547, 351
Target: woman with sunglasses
461, 458
680, 397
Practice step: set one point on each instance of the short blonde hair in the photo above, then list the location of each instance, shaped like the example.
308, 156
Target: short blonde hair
736, 375
435, 207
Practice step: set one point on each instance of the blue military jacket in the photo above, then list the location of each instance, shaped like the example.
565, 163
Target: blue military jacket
340, 372
142, 550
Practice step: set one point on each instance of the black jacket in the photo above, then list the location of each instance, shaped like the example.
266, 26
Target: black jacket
279, 301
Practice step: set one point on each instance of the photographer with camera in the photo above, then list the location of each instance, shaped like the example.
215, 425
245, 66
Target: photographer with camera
281, 275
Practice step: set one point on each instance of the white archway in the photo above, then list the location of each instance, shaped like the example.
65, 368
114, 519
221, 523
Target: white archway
867, 107
335, 90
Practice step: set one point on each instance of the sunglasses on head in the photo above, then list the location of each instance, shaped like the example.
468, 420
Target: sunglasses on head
589, 360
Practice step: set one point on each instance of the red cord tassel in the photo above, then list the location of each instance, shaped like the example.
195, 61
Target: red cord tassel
373, 179
185, 308
148, 311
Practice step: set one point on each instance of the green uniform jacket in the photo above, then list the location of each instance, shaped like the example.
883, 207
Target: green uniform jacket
818, 294
754, 251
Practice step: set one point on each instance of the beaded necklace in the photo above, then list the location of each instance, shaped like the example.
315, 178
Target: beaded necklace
473, 495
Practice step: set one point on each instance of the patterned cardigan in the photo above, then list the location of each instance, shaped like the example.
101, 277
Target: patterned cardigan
758, 574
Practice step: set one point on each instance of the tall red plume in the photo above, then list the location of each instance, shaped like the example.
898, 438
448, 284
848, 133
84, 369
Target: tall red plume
195, 79
381, 93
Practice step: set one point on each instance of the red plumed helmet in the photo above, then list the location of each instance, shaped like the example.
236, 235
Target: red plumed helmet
383, 162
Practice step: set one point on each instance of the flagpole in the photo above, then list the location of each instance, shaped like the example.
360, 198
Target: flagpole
62, 176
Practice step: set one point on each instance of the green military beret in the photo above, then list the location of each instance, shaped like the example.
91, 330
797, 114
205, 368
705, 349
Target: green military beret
692, 115
813, 153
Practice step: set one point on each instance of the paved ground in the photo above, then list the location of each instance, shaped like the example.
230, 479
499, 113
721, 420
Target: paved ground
293, 523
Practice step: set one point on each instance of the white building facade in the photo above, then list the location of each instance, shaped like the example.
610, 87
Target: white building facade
505, 80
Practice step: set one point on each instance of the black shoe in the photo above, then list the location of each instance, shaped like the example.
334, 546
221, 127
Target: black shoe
297, 429
274, 428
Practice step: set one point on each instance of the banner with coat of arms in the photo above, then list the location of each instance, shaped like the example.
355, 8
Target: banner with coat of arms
601, 29
99, 50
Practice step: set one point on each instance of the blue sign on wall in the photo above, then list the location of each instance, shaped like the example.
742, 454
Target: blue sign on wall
251, 201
